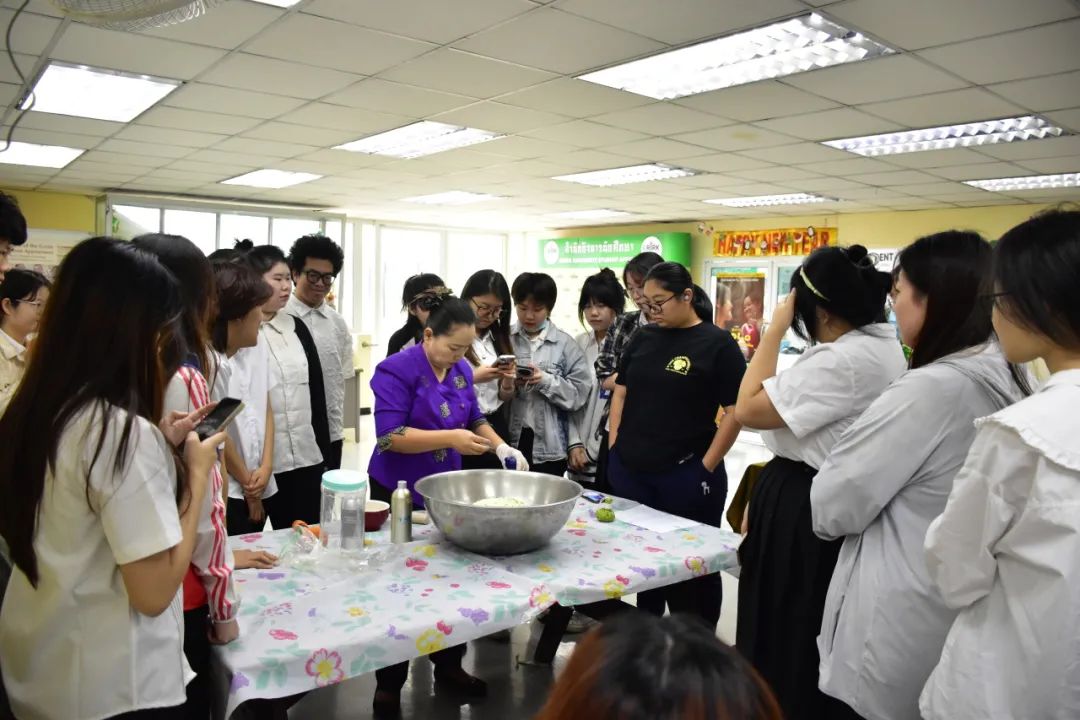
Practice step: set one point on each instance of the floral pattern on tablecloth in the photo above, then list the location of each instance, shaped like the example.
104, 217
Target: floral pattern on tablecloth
303, 629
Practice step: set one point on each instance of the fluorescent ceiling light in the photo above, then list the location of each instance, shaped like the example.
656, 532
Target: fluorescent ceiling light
784, 48
987, 132
627, 175
50, 156
453, 197
421, 138
271, 178
591, 214
769, 200
1028, 182
278, 3
88, 92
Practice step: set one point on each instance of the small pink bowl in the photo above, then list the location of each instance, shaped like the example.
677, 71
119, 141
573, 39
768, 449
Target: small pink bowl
375, 514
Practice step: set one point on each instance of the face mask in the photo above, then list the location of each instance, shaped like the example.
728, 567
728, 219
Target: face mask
543, 326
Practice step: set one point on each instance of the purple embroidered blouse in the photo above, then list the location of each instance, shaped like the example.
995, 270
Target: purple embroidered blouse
408, 395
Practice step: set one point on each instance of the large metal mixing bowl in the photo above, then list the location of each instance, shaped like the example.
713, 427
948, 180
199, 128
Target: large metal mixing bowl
498, 531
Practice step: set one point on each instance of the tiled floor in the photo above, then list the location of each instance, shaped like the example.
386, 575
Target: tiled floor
517, 691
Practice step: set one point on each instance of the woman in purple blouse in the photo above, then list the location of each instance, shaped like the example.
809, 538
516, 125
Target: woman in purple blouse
426, 418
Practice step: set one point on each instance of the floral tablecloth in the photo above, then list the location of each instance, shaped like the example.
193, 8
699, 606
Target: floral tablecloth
306, 628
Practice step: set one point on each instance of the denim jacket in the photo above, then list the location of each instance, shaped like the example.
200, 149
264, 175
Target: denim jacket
568, 381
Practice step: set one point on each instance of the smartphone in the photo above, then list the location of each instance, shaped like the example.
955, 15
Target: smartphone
219, 419
506, 360
593, 496
524, 372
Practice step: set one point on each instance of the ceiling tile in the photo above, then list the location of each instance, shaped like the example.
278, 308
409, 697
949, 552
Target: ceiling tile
288, 133
852, 166
576, 98
980, 171
134, 53
31, 34
757, 101
68, 124
466, 74
934, 190
798, 153
657, 149
883, 78
182, 119
581, 160
946, 108
252, 72
939, 158
433, 20
1053, 92
689, 21
378, 94
723, 162
1049, 165
336, 117
223, 158
890, 179
124, 160
829, 184
735, 137
778, 173
584, 133
266, 148
1068, 119
662, 118
48, 137
500, 118
144, 149
8, 90
1044, 50
571, 44
231, 101
169, 136
227, 26
953, 21
829, 124
316, 41
526, 147
1035, 149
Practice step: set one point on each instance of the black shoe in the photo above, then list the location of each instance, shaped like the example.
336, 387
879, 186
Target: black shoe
460, 682
386, 705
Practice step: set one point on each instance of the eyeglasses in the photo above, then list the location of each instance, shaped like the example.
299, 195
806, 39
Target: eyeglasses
317, 278
36, 303
487, 310
657, 308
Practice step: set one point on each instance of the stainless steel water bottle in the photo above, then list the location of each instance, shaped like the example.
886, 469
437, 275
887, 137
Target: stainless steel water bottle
401, 507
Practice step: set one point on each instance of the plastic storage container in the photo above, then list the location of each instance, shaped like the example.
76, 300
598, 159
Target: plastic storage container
341, 520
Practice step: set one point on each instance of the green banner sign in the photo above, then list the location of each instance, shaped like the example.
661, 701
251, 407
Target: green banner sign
613, 250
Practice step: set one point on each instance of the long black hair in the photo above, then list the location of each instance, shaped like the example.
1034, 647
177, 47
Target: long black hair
490, 282
261, 258
675, 278
1037, 275
603, 288
99, 346
640, 265
843, 282
239, 290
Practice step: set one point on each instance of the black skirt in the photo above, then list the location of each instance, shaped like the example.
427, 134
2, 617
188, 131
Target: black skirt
784, 577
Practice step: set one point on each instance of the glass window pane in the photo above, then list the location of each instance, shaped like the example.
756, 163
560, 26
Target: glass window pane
198, 227
285, 231
348, 286
468, 252
402, 254
129, 221
244, 227
333, 230
367, 286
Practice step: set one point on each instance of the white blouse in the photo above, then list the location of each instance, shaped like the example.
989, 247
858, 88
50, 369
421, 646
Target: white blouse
74, 648
334, 343
290, 396
1006, 552
827, 388
487, 394
250, 381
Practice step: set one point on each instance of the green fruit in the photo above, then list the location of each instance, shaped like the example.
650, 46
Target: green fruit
605, 515
609, 501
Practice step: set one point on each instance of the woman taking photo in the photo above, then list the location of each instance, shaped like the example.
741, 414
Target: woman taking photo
420, 295
488, 294
23, 294
301, 430
560, 382
88, 499
244, 373
426, 419
889, 475
837, 303
210, 600
1005, 550
667, 450
602, 300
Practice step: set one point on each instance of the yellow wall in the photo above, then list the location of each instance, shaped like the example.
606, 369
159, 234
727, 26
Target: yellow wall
884, 230
57, 211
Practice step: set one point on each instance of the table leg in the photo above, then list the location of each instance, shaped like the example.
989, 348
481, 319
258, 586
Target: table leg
558, 619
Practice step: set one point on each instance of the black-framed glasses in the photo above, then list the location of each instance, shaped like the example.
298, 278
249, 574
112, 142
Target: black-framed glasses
487, 310
317, 278
657, 308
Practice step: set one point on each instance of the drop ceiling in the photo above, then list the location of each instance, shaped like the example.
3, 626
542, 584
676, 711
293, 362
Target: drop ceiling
265, 87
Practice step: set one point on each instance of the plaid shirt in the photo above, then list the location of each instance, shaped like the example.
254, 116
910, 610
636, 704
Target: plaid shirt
607, 361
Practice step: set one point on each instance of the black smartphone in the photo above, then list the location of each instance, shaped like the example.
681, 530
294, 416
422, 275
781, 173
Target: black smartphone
506, 360
524, 372
219, 419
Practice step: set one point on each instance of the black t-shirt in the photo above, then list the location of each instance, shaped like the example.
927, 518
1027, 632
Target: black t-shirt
402, 336
676, 379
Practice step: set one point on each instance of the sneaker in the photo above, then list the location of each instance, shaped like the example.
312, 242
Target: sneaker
580, 623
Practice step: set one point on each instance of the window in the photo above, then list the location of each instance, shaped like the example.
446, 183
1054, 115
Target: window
333, 231
285, 231
130, 221
402, 254
244, 227
198, 227
468, 252
368, 285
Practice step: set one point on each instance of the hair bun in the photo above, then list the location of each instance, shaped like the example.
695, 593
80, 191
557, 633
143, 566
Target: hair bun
857, 253
608, 273
244, 245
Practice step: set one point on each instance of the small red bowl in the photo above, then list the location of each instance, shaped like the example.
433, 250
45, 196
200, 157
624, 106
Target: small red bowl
375, 514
